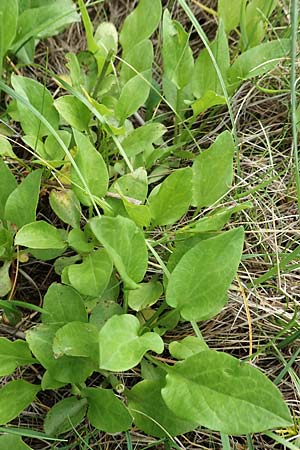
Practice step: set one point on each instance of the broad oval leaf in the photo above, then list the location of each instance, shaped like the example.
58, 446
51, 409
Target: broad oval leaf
11, 441
171, 199
77, 339
39, 97
20, 208
150, 412
138, 60
140, 23
40, 235
14, 397
126, 245
213, 171
62, 304
73, 111
106, 412
257, 61
198, 285
65, 415
66, 206
13, 355
147, 294
133, 95
92, 168
91, 276
221, 393
205, 77
121, 346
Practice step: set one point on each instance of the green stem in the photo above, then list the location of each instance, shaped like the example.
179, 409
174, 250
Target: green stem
249, 442
293, 81
197, 330
225, 441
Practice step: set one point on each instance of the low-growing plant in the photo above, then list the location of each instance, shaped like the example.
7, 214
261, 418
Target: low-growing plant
133, 255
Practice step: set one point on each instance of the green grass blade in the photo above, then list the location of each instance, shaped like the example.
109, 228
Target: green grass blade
293, 82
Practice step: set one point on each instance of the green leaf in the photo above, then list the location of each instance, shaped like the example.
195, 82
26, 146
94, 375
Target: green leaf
40, 235
65, 416
6, 148
44, 20
7, 186
62, 304
257, 61
230, 13
216, 221
50, 383
121, 346
10, 441
40, 98
67, 369
74, 112
256, 19
140, 214
138, 59
145, 296
170, 200
104, 311
40, 340
106, 412
79, 241
205, 77
9, 11
91, 276
92, 167
132, 185
14, 397
77, 339
205, 102
106, 39
199, 283
13, 355
141, 23
213, 171
221, 393
151, 414
178, 58
66, 206
141, 139
125, 244
5, 282
20, 208
188, 346
133, 95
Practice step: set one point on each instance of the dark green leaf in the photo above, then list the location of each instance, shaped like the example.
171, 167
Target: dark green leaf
106, 412
65, 415
14, 397
73, 111
62, 304
13, 355
151, 414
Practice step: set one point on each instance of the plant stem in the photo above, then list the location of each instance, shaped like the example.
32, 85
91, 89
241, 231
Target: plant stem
293, 81
249, 442
197, 330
